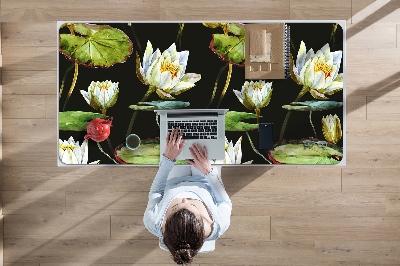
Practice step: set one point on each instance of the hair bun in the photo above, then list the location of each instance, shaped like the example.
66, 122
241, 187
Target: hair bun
183, 255
184, 245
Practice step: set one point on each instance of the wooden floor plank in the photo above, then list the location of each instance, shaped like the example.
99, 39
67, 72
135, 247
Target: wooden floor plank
372, 155
30, 82
28, 130
359, 5
24, 106
393, 204
334, 228
309, 204
270, 179
25, 51
20, 11
207, 10
371, 12
372, 81
363, 252
21, 33
383, 108
53, 226
33, 202
384, 36
22, 153
42, 62
78, 179
107, 203
398, 35
21, 264
356, 108
373, 131
380, 180
305, 9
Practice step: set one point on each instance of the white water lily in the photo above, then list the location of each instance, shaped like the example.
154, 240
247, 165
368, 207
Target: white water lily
70, 152
255, 95
302, 58
101, 95
319, 72
233, 153
166, 72
331, 128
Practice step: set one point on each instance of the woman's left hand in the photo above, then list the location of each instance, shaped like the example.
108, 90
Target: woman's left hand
174, 144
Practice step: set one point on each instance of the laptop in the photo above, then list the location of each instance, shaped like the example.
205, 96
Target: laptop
206, 127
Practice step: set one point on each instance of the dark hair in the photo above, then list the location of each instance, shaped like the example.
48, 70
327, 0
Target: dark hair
184, 235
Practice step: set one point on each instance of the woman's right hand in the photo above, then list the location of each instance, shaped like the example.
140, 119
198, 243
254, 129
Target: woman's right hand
200, 159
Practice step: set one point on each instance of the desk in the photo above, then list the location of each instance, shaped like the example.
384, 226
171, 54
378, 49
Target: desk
308, 120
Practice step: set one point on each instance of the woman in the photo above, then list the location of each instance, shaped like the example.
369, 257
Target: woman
186, 211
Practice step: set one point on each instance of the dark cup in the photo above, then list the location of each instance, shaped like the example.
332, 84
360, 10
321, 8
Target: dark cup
132, 142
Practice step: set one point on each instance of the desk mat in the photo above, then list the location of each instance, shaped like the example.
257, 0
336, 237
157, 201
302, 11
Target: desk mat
288, 75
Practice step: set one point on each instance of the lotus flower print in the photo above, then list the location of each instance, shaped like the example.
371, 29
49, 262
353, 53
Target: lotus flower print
70, 152
302, 58
233, 153
331, 128
318, 73
165, 72
101, 95
255, 95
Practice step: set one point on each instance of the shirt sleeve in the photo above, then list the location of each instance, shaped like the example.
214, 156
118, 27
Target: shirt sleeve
156, 194
222, 199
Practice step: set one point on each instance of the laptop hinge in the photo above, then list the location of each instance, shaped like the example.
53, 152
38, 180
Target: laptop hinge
191, 114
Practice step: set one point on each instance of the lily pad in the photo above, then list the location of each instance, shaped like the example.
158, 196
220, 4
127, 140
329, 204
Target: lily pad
296, 153
312, 105
229, 48
147, 153
159, 105
233, 121
236, 29
96, 45
75, 120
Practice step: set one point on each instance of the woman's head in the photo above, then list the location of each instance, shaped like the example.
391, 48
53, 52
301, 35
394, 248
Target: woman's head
184, 235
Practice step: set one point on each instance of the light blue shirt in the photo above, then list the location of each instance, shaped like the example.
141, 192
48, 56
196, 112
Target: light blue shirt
209, 188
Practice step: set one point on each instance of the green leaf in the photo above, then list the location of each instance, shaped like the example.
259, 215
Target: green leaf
159, 105
214, 25
228, 48
295, 153
312, 105
236, 29
147, 153
96, 46
75, 120
233, 121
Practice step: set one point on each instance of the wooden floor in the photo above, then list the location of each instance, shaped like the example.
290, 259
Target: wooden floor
281, 215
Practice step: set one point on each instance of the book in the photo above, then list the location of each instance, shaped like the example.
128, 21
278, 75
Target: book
267, 51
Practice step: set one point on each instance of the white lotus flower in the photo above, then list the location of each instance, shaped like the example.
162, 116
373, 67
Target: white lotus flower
302, 58
319, 72
69, 152
331, 128
255, 95
101, 95
166, 72
233, 153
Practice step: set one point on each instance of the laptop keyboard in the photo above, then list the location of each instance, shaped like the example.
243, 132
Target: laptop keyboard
196, 129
